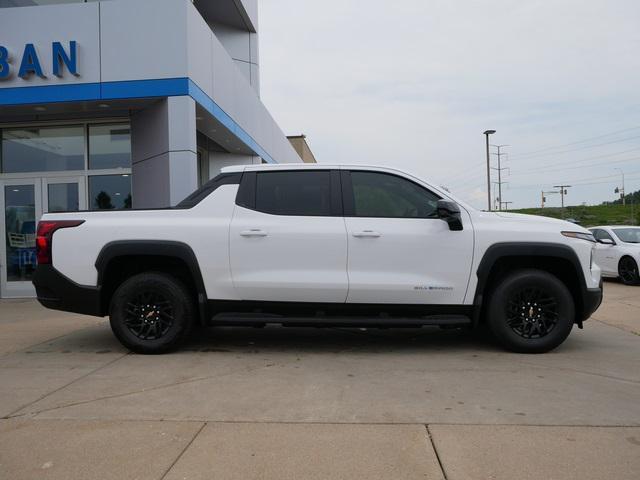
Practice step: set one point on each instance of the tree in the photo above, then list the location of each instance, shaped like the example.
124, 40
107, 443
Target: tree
630, 198
103, 201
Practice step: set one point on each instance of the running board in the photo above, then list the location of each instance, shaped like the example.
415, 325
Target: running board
300, 321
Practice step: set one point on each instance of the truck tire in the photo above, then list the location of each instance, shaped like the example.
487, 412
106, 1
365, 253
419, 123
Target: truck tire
628, 271
531, 311
152, 313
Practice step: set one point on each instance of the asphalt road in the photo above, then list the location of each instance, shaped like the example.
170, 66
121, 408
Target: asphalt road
280, 403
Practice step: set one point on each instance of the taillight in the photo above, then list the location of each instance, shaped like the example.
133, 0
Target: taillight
45, 235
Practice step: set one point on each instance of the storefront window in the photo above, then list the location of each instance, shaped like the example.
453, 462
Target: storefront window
109, 146
110, 192
42, 149
63, 197
20, 225
30, 3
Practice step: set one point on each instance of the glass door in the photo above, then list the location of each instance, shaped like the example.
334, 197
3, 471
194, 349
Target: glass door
21, 202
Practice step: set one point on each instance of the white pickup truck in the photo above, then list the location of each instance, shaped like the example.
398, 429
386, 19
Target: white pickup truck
319, 245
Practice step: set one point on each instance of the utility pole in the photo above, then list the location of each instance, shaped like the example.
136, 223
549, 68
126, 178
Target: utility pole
621, 191
506, 205
499, 169
486, 134
544, 198
563, 191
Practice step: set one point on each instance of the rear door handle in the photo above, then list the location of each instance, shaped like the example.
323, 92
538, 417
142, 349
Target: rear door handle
366, 234
254, 232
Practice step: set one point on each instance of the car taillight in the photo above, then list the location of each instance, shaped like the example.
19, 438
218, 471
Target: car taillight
46, 228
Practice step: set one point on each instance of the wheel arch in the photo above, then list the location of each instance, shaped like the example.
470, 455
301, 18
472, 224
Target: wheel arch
121, 259
557, 259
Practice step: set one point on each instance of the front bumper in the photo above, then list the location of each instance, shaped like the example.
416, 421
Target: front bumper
57, 292
591, 300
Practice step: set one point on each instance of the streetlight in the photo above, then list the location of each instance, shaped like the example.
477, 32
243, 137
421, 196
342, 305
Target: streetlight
486, 134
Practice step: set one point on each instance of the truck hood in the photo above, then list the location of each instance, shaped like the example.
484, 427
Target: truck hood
522, 217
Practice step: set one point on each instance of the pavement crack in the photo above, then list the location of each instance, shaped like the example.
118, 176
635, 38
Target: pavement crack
134, 392
186, 447
583, 372
435, 450
42, 397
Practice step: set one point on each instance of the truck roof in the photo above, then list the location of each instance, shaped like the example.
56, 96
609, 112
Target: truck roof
304, 166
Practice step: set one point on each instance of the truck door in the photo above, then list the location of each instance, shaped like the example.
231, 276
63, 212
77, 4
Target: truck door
288, 242
399, 251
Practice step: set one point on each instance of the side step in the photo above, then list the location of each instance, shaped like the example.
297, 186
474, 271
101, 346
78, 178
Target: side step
244, 319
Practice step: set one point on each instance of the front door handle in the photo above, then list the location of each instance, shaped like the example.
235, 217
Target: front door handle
254, 232
366, 234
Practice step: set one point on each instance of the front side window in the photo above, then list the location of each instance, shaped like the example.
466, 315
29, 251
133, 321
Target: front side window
601, 235
384, 195
304, 193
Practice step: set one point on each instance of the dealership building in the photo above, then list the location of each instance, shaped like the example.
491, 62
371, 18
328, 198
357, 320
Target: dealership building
122, 104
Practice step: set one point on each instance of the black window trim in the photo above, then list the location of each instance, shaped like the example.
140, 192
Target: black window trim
349, 200
197, 196
247, 192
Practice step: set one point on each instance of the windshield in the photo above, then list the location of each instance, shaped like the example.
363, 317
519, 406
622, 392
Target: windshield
628, 235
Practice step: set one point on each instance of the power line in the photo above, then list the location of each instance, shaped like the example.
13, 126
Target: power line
578, 142
573, 167
570, 162
527, 157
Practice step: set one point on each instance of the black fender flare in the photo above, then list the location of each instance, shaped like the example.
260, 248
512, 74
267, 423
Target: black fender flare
498, 251
161, 248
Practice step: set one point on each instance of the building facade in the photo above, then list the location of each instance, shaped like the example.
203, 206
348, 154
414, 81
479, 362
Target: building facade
122, 104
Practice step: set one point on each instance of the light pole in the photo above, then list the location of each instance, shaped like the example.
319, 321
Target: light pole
486, 134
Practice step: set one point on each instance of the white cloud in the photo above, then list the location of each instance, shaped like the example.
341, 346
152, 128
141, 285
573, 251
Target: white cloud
414, 84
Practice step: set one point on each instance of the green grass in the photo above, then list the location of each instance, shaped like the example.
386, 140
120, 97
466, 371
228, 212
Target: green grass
590, 216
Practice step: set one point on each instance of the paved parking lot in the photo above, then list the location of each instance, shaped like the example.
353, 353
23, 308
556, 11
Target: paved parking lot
279, 403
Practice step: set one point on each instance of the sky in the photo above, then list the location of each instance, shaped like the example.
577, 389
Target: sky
413, 84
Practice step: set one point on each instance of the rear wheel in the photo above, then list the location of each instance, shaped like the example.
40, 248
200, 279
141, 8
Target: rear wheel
531, 311
151, 313
628, 271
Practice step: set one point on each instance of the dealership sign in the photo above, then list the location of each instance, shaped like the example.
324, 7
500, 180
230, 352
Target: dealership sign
60, 59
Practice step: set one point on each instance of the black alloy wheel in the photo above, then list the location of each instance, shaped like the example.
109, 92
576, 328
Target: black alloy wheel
152, 312
530, 311
149, 316
628, 271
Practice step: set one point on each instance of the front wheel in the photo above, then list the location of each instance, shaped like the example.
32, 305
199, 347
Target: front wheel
531, 311
151, 313
628, 271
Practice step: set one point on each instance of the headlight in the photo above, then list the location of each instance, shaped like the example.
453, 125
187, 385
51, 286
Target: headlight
581, 235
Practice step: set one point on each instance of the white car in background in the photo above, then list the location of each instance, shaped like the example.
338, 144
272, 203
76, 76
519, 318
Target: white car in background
618, 252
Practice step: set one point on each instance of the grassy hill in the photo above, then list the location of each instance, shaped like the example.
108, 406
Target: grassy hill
589, 216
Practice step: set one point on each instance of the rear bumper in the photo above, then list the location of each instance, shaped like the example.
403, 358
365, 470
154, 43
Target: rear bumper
57, 292
592, 298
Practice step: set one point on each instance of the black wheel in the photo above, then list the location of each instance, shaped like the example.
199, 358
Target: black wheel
151, 313
628, 271
531, 311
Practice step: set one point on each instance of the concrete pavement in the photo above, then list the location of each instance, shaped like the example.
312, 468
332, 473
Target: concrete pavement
318, 403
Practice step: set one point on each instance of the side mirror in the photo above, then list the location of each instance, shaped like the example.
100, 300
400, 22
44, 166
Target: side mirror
450, 212
606, 241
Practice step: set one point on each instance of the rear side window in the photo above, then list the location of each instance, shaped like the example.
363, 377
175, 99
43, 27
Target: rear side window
383, 195
303, 193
